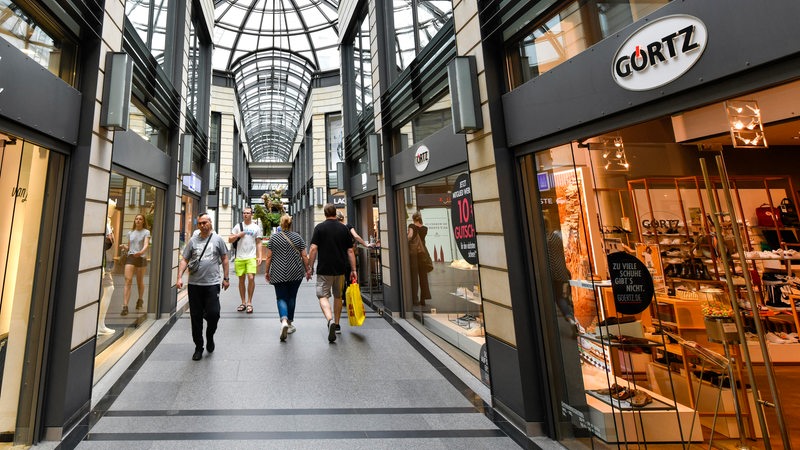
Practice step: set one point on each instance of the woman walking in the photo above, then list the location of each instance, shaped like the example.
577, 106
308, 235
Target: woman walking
287, 263
135, 261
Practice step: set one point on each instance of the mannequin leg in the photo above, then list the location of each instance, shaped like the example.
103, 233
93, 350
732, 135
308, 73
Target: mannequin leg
105, 301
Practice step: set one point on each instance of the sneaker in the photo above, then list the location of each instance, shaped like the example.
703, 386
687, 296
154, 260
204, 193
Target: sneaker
292, 329
198, 355
210, 344
331, 331
124, 311
284, 331
338, 329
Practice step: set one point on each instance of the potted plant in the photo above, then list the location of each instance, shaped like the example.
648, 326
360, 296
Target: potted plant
270, 214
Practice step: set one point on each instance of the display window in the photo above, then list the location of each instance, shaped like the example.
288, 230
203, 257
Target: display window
129, 296
441, 283
32, 175
38, 38
666, 260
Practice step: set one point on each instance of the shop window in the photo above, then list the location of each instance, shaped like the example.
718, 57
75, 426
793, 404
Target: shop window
140, 123
573, 28
41, 43
150, 18
429, 121
442, 290
694, 221
129, 296
27, 244
363, 68
415, 24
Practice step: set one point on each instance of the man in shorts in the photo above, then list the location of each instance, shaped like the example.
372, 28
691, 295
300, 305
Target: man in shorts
334, 245
247, 235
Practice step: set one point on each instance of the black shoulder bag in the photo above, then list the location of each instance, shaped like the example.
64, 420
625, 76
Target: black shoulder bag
195, 263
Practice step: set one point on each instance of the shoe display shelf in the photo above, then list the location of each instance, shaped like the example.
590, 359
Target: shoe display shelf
468, 340
616, 421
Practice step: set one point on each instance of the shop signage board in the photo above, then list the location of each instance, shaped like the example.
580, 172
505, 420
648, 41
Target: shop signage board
631, 283
462, 215
659, 52
421, 158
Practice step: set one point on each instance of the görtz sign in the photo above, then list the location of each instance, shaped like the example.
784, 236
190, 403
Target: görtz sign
421, 158
659, 52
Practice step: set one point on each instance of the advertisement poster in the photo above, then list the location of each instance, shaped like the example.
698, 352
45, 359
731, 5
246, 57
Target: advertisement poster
463, 219
651, 257
631, 283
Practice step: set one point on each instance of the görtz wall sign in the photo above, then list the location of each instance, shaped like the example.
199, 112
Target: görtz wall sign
421, 158
659, 52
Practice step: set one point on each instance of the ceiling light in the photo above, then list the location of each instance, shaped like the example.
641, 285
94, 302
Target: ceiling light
745, 124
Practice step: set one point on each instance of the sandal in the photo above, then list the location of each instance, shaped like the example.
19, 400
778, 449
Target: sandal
249, 309
241, 307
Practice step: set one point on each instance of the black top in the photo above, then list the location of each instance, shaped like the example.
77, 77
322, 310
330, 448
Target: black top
417, 230
332, 239
350, 229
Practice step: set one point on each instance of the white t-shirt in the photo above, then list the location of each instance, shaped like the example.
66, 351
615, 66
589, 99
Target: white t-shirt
246, 249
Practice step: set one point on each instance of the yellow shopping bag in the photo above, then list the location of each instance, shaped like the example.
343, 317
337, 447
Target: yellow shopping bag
355, 307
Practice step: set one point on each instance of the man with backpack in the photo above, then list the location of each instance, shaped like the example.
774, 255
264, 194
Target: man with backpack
245, 240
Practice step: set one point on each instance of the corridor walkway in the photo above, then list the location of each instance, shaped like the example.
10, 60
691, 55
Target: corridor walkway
374, 388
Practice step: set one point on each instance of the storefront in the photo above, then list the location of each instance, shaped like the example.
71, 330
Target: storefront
439, 267
362, 205
660, 199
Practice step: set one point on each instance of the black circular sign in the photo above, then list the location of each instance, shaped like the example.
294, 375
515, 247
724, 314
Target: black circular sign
461, 213
631, 283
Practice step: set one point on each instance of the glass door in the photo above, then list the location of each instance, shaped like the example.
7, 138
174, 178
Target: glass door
30, 180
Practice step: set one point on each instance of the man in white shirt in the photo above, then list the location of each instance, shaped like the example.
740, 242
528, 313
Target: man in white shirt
247, 236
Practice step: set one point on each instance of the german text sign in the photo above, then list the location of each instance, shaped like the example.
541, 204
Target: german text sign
461, 213
631, 283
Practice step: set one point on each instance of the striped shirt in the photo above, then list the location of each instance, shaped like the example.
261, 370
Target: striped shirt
286, 263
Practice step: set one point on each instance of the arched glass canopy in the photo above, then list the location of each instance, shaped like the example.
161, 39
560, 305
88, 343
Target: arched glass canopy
273, 48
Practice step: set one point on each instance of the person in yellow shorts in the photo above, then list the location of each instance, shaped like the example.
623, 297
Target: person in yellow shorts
246, 236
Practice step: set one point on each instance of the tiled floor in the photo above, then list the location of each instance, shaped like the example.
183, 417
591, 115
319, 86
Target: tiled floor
370, 389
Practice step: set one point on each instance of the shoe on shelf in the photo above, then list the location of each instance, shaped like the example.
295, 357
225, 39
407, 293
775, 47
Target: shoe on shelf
210, 346
198, 355
284, 330
331, 331
124, 311
139, 304
338, 329
292, 329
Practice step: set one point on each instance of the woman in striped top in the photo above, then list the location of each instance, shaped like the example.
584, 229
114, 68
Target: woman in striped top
287, 263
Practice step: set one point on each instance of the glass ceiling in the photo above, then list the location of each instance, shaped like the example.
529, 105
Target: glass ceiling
273, 48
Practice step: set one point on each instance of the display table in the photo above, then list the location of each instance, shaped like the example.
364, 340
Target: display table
455, 334
657, 422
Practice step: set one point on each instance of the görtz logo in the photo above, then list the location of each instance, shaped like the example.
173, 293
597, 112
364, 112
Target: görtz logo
659, 52
421, 158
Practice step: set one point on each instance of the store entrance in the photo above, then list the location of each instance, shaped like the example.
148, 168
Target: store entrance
32, 176
711, 222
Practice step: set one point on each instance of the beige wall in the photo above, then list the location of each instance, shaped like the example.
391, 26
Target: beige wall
497, 311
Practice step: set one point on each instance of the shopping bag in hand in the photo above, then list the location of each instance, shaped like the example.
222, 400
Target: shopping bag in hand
355, 307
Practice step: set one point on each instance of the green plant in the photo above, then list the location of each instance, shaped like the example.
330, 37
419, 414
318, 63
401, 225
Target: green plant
270, 214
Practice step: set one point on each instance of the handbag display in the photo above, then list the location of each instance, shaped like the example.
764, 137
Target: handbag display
768, 216
788, 213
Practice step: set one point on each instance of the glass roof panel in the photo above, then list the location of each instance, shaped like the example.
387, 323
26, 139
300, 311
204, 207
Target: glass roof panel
273, 48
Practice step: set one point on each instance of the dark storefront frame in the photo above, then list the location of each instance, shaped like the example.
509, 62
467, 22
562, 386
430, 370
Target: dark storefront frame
598, 105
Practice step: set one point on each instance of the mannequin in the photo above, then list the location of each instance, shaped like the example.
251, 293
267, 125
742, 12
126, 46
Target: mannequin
108, 280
